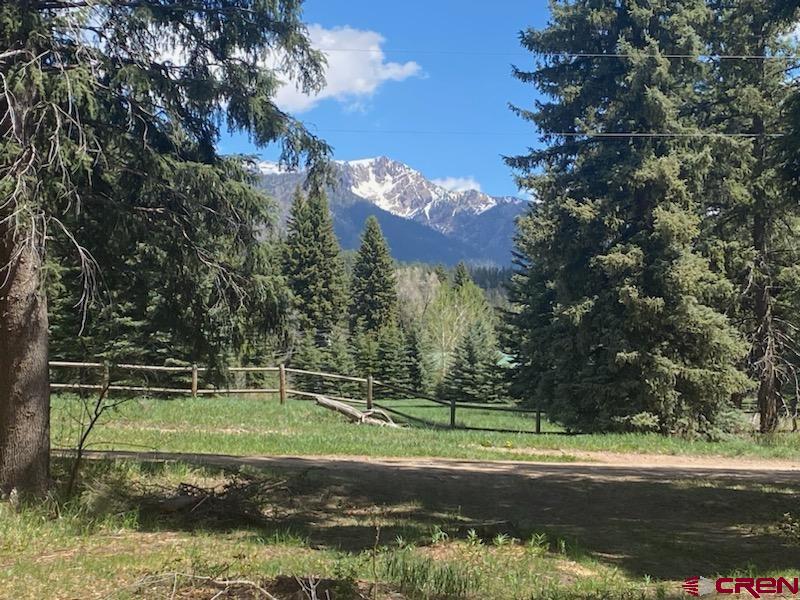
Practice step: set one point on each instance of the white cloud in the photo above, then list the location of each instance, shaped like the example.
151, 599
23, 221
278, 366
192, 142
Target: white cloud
351, 77
356, 68
458, 184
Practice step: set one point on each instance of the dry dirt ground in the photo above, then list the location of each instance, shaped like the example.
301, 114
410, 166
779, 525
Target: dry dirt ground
664, 516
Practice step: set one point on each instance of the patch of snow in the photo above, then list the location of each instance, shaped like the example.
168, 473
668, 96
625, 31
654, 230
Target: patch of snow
266, 167
362, 162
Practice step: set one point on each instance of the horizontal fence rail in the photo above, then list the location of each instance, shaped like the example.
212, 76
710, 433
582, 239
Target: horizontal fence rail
454, 406
193, 389
119, 388
328, 375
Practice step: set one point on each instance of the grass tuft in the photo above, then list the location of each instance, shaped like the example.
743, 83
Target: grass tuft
420, 578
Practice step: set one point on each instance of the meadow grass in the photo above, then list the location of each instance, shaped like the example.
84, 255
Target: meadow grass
262, 426
101, 545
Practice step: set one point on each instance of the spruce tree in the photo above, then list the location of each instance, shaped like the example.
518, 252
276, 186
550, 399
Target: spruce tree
392, 359
366, 350
613, 322
119, 138
313, 266
373, 291
475, 375
415, 358
461, 275
750, 215
307, 355
338, 358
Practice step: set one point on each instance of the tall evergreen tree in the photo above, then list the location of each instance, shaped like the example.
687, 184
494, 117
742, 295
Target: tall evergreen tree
313, 266
120, 136
475, 375
415, 358
392, 359
373, 291
367, 353
153, 307
338, 358
751, 219
461, 275
307, 355
613, 317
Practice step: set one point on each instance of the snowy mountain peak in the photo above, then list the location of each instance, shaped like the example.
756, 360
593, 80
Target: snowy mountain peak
397, 188
421, 219
266, 167
367, 162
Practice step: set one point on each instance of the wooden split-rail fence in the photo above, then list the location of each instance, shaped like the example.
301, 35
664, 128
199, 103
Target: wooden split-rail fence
193, 373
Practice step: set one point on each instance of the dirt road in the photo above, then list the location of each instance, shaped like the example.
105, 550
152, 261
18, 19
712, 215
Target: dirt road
592, 465
668, 517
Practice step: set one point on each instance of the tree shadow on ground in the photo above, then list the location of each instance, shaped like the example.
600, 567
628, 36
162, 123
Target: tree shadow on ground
665, 523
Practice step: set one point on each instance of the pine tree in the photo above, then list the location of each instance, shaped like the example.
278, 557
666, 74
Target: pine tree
373, 294
313, 266
113, 150
475, 375
461, 275
750, 218
392, 360
415, 358
441, 273
307, 355
337, 358
613, 322
366, 351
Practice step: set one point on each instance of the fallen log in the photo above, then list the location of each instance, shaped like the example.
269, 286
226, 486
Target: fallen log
355, 415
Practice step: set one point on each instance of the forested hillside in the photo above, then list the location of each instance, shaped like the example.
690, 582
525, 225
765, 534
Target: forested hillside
422, 220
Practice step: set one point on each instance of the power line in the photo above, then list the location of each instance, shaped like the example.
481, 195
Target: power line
644, 134
595, 134
568, 54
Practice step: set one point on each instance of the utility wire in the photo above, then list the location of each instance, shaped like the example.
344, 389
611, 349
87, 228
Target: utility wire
568, 54
644, 134
595, 134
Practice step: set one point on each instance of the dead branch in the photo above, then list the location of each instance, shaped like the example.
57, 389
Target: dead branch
223, 585
240, 500
355, 415
94, 416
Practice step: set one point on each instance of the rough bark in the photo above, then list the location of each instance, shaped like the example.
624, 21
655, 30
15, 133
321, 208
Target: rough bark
355, 415
765, 343
24, 380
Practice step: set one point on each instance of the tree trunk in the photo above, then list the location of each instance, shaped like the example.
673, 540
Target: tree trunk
765, 347
765, 354
24, 379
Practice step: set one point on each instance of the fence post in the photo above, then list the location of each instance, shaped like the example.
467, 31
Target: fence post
106, 375
282, 382
452, 413
538, 420
369, 392
194, 381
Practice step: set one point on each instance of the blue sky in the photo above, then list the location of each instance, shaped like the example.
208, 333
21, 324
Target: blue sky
439, 69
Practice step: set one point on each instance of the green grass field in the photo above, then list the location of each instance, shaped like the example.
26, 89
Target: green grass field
104, 545
114, 540
261, 426
384, 534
